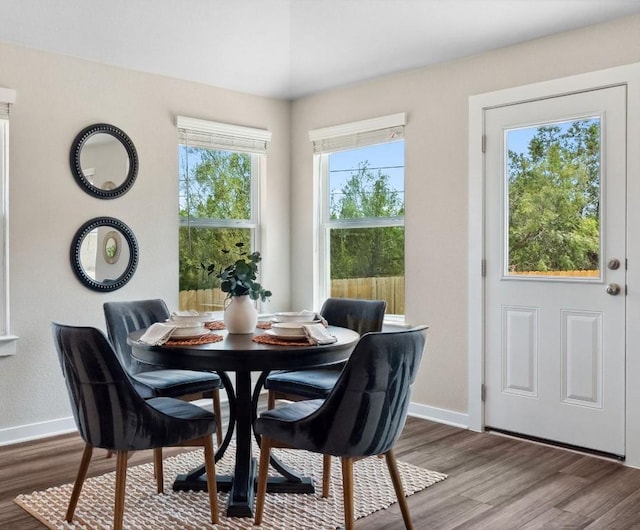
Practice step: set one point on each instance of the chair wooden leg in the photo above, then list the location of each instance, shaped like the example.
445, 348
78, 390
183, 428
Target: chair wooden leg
271, 400
121, 479
210, 468
347, 486
326, 475
157, 469
218, 412
77, 486
397, 485
263, 472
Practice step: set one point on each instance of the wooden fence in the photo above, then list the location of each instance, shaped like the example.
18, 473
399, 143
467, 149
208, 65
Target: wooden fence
390, 289
202, 300
572, 274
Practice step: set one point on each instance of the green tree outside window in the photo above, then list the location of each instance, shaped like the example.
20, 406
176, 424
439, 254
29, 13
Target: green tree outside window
554, 199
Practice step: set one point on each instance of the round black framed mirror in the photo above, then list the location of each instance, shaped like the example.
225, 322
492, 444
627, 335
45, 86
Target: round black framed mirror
104, 254
104, 161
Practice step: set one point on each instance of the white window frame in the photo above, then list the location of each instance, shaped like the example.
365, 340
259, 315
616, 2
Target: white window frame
7, 340
227, 137
329, 140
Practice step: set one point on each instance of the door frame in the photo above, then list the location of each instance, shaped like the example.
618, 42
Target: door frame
628, 75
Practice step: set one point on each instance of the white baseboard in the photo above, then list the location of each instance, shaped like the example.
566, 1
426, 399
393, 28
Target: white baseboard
449, 417
44, 429
34, 431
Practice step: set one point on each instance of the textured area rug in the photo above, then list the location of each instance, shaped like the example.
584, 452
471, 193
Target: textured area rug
188, 510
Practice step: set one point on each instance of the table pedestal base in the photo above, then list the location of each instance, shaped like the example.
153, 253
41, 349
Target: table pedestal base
284, 485
224, 483
243, 507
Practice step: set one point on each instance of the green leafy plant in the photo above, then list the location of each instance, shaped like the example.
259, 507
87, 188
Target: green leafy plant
239, 278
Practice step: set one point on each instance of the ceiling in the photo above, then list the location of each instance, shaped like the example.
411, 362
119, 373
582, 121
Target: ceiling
289, 48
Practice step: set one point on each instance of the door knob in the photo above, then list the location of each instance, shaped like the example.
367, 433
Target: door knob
613, 264
613, 289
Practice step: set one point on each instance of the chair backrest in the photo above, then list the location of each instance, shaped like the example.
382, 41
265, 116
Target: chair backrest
362, 316
366, 411
101, 394
124, 317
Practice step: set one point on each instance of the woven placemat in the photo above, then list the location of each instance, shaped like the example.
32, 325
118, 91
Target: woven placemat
275, 341
189, 510
205, 339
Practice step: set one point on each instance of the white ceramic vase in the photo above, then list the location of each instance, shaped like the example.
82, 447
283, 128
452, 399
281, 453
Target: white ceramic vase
241, 315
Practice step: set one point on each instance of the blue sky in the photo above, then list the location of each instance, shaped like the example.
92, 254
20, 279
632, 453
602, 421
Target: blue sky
518, 139
389, 157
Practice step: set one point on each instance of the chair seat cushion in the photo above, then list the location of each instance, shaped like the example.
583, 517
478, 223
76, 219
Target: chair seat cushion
181, 409
309, 384
184, 421
277, 423
174, 383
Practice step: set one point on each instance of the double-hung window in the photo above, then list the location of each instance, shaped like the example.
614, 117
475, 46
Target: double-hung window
359, 170
219, 171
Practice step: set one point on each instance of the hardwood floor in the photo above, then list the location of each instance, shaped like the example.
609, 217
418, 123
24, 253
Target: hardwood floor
494, 482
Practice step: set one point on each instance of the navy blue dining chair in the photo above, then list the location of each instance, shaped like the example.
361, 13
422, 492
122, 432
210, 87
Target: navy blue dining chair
110, 414
124, 317
362, 416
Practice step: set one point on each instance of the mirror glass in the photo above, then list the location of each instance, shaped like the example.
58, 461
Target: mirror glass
111, 247
104, 161
104, 254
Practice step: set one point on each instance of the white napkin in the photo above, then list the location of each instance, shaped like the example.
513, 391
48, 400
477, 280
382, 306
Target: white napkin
317, 334
315, 316
157, 334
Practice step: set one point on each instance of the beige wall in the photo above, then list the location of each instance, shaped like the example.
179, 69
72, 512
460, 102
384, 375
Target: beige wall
436, 102
57, 96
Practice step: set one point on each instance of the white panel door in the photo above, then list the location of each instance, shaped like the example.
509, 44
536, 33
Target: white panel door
556, 269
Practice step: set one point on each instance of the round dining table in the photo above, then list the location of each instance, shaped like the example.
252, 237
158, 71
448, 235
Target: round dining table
240, 354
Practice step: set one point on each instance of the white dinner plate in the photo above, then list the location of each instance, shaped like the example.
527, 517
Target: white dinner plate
188, 333
187, 329
289, 329
271, 333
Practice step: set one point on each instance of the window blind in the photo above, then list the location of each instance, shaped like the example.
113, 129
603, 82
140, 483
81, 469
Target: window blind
358, 134
7, 97
214, 135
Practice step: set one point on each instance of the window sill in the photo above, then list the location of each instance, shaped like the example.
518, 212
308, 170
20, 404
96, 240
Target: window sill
8, 345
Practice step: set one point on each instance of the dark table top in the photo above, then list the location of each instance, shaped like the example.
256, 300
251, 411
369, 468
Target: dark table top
238, 352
